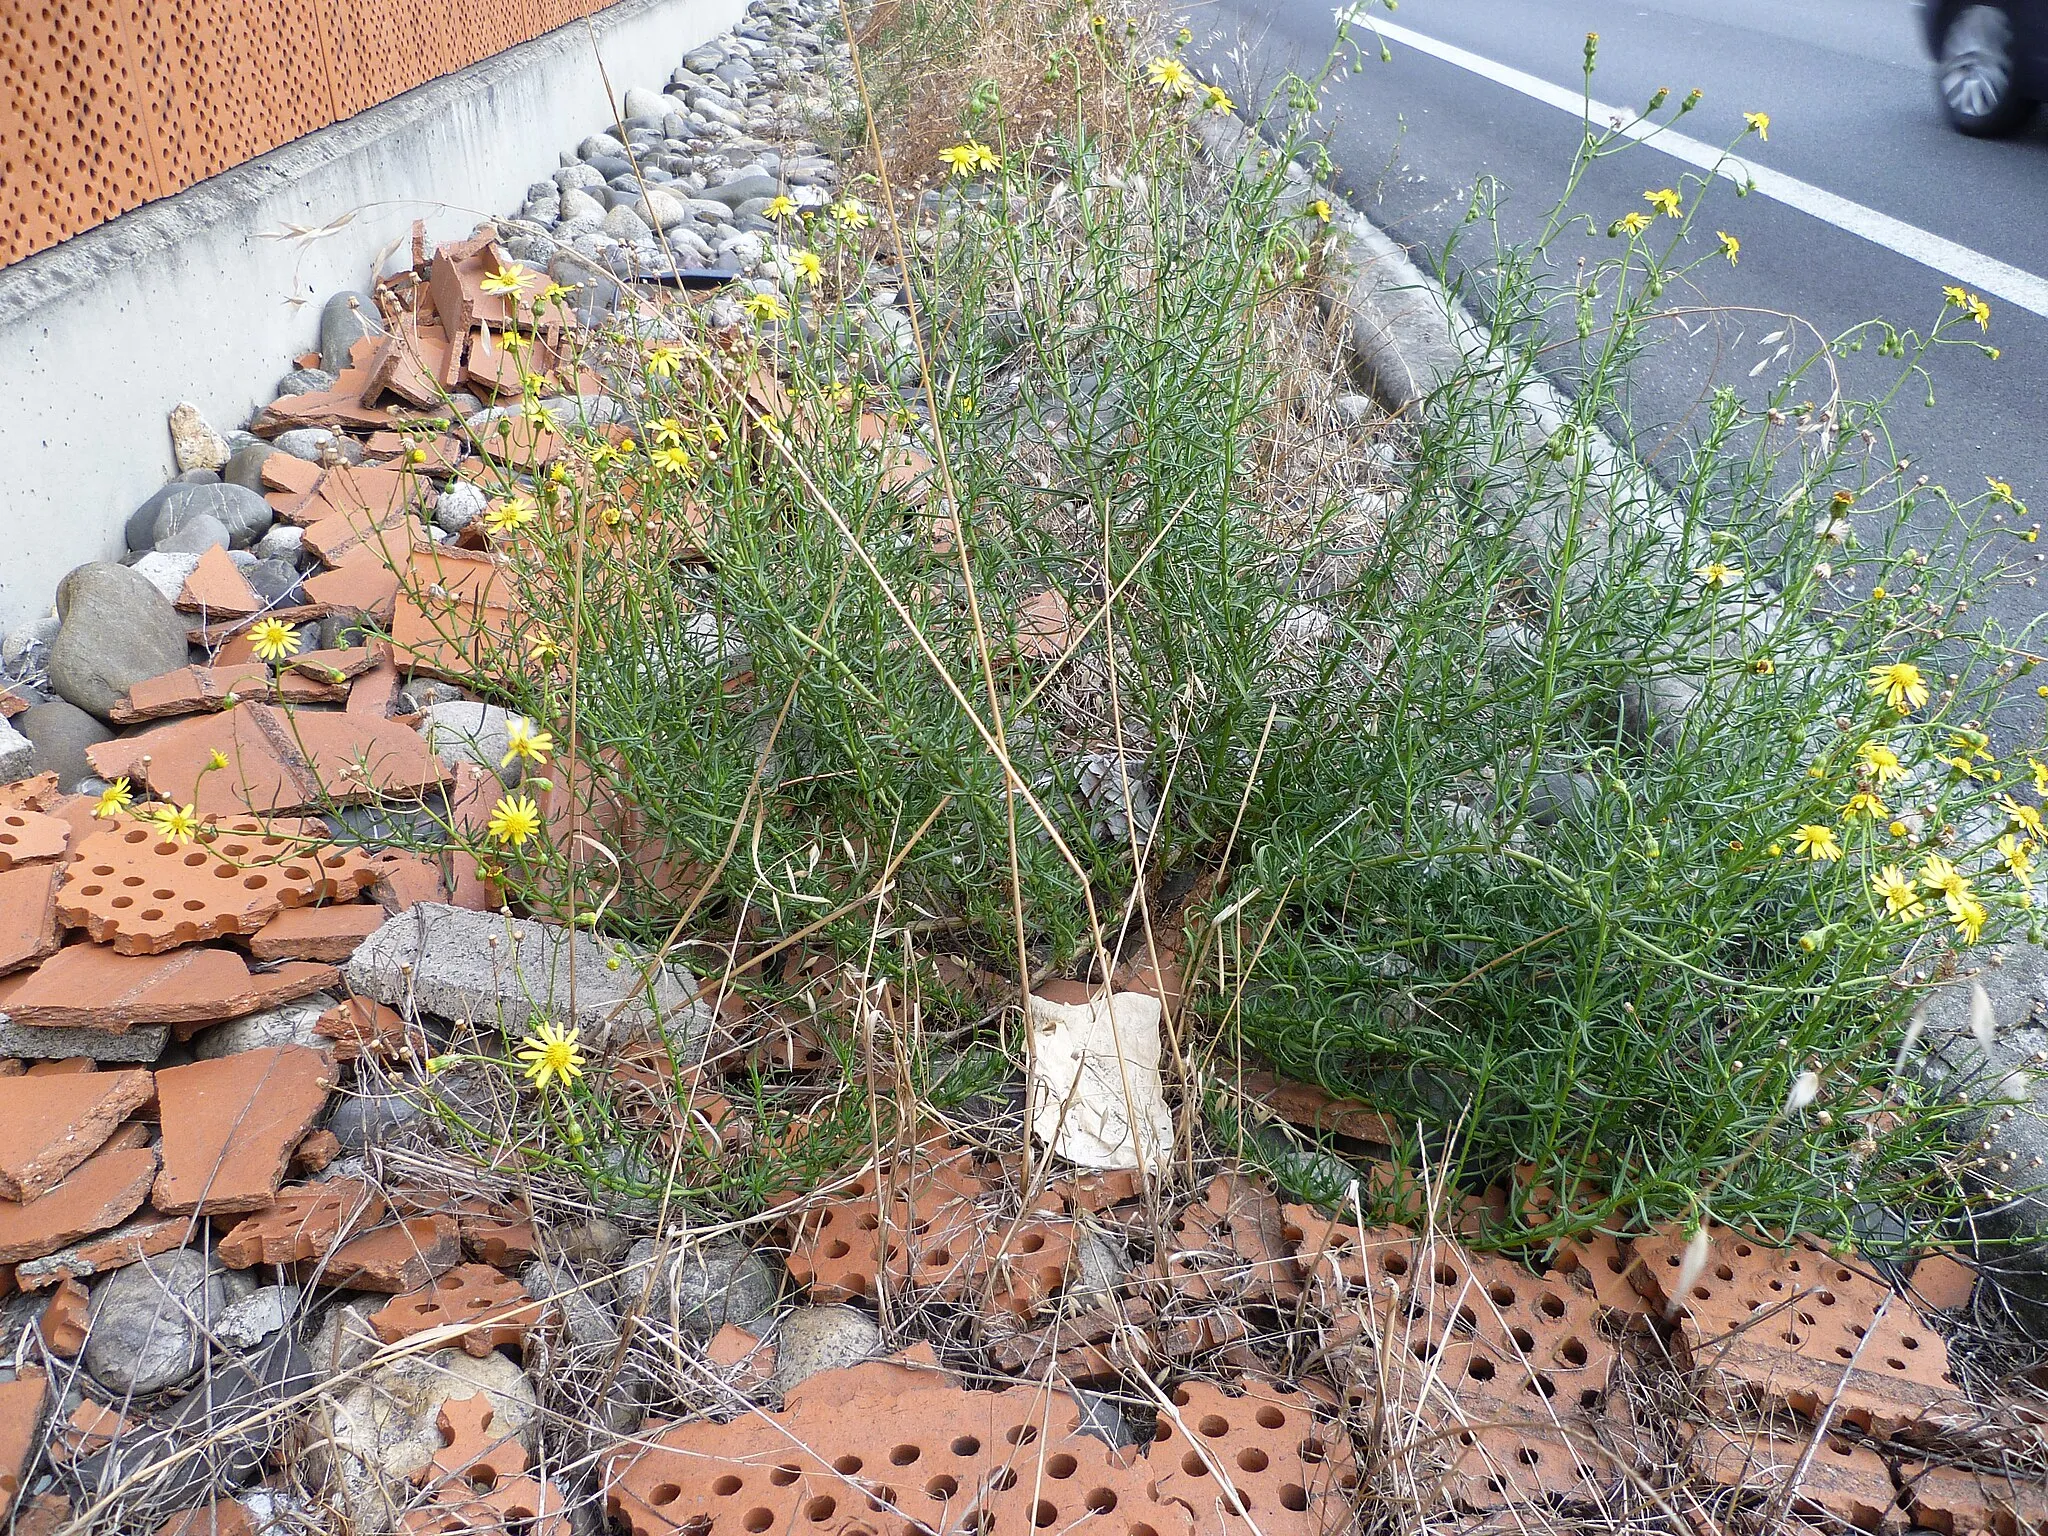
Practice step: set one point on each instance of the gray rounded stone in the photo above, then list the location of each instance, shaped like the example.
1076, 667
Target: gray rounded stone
579, 207
60, 733
143, 1332
585, 1318
624, 224
362, 1121
344, 320
742, 189
275, 581
470, 732
312, 443
243, 512
245, 467
659, 209
459, 506
285, 541
194, 536
305, 381
577, 178
118, 631
705, 1285
814, 1339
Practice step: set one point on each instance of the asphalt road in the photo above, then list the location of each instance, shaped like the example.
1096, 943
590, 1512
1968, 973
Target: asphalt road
1849, 90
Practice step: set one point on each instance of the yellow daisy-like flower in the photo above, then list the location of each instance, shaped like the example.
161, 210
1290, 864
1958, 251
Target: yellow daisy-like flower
115, 798
510, 515
216, 760
1882, 761
554, 293
1217, 100
1900, 685
2040, 771
508, 282
551, 1056
273, 639
1632, 223
1172, 78
780, 206
2017, 855
849, 212
544, 649
1816, 842
2000, 490
514, 819
1758, 123
671, 461
807, 265
1898, 829
1763, 666
527, 744
1664, 200
180, 823
1864, 803
1896, 891
1969, 916
1955, 297
666, 431
1716, 574
1730, 246
1979, 312
1319, 207
1937, 874
2024, 817
968, 158
764, 307
664, 359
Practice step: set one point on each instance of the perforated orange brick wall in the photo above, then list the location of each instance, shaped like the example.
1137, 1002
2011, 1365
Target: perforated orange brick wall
109, 104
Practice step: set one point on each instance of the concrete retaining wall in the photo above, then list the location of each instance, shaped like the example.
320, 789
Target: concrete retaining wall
191, 298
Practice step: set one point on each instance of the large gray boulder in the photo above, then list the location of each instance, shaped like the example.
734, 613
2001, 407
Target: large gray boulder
242, 512
494, 971
117, 631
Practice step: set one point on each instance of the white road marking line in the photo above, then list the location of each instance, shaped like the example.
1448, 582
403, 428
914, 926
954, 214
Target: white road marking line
1971, 268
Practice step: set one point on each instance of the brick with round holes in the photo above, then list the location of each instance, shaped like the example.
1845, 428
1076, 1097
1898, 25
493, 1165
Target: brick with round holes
30, 837
896, 1448
143, 893
1840, 1478
1800, 1326
492, 1308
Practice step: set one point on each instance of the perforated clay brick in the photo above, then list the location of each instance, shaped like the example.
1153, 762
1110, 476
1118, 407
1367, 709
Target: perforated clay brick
144, 893
493, 1308
29, 837
480, 1484
302, 1223
1799, 1326
896, 1448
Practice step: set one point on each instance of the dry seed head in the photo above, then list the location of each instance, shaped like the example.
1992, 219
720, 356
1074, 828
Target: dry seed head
1690, 1270
1805, 1089
1983, 1023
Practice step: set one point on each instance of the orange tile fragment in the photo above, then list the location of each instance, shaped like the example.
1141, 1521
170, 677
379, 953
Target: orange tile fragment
86, 986
302, 1223
63, 1323
29, 837
397, 1258
218, 589
139, 1238
359, 1027
28, 914
316, 933
495, 1308
229, 1126
49, 1125
103, 1191
21, 1422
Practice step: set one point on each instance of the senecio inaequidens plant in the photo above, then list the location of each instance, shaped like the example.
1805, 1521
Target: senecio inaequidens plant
1595, 823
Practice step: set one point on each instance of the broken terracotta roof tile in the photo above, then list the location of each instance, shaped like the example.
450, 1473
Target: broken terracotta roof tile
139, 1238
278, 762
65, 1319
334, 666
30, 837
316, 1149
223, 1517
21, 1422
376, 691
401, 1257
302, 1223
142, 892
49, 1125
359, 1027
338, 406
28, 914
30, 794
361, 583
407, 364
316, 933
218, 589
103, 1191
86, 986
188, 690
455, 608
11, 704
229, 1126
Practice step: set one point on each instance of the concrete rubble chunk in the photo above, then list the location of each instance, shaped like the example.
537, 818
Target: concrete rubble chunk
487, 969
136, 1046
230, 1126
49, 1125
